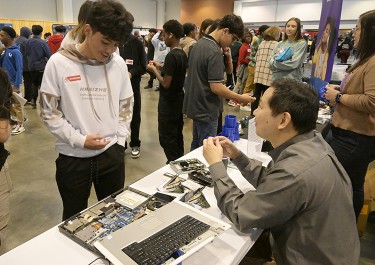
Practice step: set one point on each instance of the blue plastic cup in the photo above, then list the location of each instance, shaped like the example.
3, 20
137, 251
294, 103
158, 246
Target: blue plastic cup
230, 121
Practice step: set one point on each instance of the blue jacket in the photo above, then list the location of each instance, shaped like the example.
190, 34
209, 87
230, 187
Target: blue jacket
11, 62
37, 53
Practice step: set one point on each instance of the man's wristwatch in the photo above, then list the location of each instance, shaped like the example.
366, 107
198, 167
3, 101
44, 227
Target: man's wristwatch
338, 97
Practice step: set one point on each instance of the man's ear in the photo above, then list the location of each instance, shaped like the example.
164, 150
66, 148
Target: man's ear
87, 29
285, 120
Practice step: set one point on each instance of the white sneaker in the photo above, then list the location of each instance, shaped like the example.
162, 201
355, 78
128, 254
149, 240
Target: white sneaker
245, 108
18, 129
136, 152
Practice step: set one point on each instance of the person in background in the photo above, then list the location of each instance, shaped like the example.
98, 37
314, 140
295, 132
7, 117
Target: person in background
249, 87
161, 50
235, 51
302, 193
190, 33
77, 35
5, 181
242, 62
133, 52
138, 35
344, 49
204, 88
37, 54
11, 62
352, 132
87, 104
263, 75
291, 67
25, 33
150, 55
54, 42
46, 36
204, 27
171, 78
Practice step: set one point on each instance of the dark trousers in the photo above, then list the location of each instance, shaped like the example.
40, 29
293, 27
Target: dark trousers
170, 136
232, 76
136, 120
152, 78
344, 55
202, 130
258, 92
75, 175
355, 152
36, 81
27, 82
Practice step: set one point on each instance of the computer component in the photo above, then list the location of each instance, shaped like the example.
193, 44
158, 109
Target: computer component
111, 214
202, 176
173, 221
186, 165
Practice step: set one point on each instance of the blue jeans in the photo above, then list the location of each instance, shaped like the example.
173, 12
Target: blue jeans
355, 152
201, 131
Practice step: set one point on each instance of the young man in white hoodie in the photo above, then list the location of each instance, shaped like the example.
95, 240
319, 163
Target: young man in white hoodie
87, 103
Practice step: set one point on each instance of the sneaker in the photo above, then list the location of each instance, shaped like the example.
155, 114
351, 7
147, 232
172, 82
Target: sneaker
18, 129
148, 86
232, 103
245, 108
157, 88
136, 152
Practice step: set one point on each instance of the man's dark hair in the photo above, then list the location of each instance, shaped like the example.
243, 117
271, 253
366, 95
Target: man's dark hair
174, 27
111, 19
60, 29
188, 27
153, 30
36, 29
297, 98
262, 29
10, 31
233, 23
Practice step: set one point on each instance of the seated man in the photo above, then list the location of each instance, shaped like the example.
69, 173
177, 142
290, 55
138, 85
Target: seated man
304, 196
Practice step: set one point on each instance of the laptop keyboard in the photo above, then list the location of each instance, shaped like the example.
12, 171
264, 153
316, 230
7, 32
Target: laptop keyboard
160, 246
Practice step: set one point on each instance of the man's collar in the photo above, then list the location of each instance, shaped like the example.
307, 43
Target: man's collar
210, 38
275, 153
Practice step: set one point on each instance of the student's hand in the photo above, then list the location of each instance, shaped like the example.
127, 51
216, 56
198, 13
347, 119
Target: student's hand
151, 68
157, 65
95, 142
229, 149
212, 150
246, 99
331, 93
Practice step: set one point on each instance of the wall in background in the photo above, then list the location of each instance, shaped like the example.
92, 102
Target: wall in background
279, 11
197, 11
29, 10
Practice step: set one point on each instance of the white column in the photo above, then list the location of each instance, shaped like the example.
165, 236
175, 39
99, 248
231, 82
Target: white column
160, 13
64, 10
237, 10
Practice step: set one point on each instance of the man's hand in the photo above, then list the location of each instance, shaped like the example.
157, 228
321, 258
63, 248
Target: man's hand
212, 150
95, 142
229, 149
245, 99
151, 68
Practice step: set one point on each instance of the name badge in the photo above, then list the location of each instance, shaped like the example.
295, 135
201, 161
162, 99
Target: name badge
129, 62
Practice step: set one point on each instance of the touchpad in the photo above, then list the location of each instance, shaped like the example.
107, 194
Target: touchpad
150, 223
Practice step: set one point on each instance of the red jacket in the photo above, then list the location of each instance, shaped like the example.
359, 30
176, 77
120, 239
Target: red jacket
244, 52
54, 42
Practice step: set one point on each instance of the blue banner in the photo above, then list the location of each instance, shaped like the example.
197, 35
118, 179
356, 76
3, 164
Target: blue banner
325, 48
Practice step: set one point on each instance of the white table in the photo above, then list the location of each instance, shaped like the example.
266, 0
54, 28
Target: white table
52, 247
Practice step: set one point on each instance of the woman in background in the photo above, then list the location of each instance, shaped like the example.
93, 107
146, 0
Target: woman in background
352, 134
263, 74
292, 66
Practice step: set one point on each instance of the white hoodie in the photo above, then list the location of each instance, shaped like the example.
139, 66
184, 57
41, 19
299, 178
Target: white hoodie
81, 96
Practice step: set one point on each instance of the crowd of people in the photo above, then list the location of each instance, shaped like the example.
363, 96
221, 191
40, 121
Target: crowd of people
90, 100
